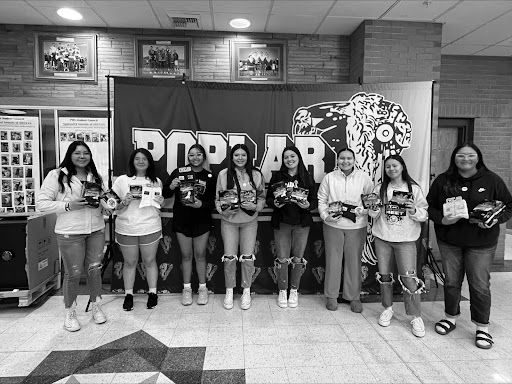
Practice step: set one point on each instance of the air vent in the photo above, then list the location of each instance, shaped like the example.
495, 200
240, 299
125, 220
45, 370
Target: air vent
185, 22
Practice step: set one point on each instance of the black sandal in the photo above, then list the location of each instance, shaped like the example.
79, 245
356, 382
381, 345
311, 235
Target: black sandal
483, 337
446, 325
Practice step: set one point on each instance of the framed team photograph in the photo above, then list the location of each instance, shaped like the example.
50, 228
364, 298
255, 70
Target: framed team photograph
66, 56
163, 57
258, 61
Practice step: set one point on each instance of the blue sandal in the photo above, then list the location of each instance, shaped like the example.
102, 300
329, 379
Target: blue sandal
446, 325
483, 337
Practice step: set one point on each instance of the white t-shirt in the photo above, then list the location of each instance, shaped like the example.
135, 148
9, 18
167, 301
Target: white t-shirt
133, 220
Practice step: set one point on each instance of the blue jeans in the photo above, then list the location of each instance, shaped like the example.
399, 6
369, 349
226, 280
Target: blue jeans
75, 250
476, 264
404, 254
291, 241
235, 236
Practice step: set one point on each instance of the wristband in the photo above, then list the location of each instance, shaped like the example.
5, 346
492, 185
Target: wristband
67, 207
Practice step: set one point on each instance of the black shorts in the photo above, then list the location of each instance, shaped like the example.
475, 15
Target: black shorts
195, 230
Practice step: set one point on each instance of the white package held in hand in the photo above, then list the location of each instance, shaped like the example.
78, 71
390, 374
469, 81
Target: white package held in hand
456, 207
148, 197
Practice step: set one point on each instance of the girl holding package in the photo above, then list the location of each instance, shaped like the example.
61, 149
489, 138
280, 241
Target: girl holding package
239, 224
80, 228
291, 220
344, 234
138, 226
192, 220
397, 227
467, 246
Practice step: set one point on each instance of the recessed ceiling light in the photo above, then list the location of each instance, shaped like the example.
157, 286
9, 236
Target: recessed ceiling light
13, 112
240, 23
70, 14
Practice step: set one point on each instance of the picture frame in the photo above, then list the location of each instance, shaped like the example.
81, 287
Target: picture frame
258, 61
66, 56
165, 57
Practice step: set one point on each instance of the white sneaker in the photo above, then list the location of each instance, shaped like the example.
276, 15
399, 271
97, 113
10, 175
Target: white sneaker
97, 314
71, 323
385, 317
282, 302
245, 301
186, 296
293, 300
202, 297
418, 328
228, 299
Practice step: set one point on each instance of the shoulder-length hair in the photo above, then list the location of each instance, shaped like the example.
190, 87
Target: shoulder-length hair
452, 171
249, 167
150, 172
302, 171
386, 179
68, 164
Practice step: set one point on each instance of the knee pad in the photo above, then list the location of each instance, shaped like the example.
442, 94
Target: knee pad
384, 278
229, 258
278, 263
420, 285
245, 258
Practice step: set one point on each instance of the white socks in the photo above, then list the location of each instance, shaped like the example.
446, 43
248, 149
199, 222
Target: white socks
128, 291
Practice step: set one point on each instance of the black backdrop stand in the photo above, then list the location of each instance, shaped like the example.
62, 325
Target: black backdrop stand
109, 251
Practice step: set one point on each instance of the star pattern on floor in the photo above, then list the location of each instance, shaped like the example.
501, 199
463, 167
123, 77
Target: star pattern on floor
138, 357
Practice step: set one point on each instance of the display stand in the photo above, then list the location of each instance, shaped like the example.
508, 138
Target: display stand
29, 257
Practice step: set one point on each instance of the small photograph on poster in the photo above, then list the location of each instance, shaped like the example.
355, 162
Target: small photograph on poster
20, 209
6, 173
4, 146
16, 147
15, 159
6, 200
9, 210
27, 159
17, 172
28, 171
6, 186
5, 160
103, 137
31, 208
27, 146
28, 135
95, 137
29, 198
19, 199
3, 135
17, 185
80, 136
63, 136
15, 135
71, 136
29, 183
87, 137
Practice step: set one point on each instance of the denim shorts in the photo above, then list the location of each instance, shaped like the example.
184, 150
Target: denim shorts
135, 241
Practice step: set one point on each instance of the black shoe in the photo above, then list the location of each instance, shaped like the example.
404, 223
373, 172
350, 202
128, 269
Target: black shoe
128, 302
152, 300
341, 300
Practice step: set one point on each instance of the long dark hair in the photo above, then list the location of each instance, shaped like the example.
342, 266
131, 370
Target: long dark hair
201, 149
249, 167
302, 172
150, 172
386, 179
453, 171
68, 164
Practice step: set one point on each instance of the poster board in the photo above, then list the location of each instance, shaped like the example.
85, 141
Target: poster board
20, 160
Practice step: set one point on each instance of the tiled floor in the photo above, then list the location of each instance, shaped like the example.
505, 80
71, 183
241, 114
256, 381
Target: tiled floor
265, 344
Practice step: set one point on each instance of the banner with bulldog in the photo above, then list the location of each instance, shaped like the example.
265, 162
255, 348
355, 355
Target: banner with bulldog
167, 117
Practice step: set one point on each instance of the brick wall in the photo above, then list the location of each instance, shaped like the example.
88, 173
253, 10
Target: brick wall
311, 59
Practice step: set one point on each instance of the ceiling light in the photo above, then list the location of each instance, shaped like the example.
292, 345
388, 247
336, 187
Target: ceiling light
70, 14
240, 23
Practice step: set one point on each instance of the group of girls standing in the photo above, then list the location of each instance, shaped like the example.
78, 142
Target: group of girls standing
465, 247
